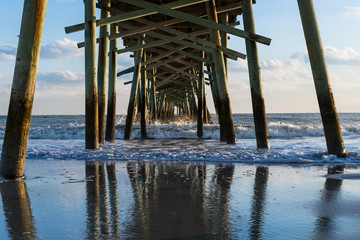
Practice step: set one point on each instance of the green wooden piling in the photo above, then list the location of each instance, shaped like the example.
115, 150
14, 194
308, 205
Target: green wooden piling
258, 103
224, 19
111, 106
201, 99
91, 91
102, 66
323, 89
22, 92
143, 101
153, 96
134, 89
218, 58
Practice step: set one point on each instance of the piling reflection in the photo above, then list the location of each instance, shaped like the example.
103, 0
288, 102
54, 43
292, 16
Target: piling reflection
258, 202
18, 215
99, 223
325, 228
171, 201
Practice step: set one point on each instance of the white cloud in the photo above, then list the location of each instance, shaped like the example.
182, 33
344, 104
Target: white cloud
45, 79
1, 76
61, 49
238, 66
8, 52
346, 56
335, 56
352, 12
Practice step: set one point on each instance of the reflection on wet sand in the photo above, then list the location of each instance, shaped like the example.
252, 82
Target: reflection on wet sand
16, 203
171, 201
98, 223
258, 202
325, 228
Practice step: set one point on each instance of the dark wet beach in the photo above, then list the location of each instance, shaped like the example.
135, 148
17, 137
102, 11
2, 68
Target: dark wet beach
179, 200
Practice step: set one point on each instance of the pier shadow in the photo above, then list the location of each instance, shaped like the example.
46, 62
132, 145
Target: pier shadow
172, 201
258, 202
18, 215
101, 223
330, 198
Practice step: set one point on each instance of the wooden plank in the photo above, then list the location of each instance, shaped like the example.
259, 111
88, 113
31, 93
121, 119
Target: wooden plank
102, 71
133, 15
232, 54
22, 91
91, 90
111, 106
134, 89
200, 21
257, 97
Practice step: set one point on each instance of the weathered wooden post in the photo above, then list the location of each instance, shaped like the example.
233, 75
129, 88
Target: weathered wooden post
323, 89
102, 66
224, 19
201, 99
22, 92
91, 91
153, 96
224, 106
143, 101
111, 106
258, 103
134, 89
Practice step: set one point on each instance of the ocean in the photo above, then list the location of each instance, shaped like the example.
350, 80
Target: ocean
294, 138
176, 186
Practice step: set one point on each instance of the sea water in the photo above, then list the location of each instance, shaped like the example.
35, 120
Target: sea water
176, 186
294, 138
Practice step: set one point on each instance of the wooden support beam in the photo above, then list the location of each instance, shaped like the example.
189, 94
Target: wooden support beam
111, 106
91, 90
126, 71
134, 88
258, 103
142, 99
332, 130
161, 42
200, 21
153, 95
229, 52
22, 92
221, 78
181, 71
189, 55
221, 9
133, 15
201, 99
102, 70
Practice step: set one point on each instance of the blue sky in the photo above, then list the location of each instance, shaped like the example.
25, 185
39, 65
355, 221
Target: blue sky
286, 74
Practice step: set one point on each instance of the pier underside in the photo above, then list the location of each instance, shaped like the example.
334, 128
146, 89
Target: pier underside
179, 48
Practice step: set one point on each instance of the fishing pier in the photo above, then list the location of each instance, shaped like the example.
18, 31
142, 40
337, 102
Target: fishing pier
178, 47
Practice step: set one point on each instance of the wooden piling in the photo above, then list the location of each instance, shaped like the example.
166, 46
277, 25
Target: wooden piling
134, 88
153, 96
23, 87
111, 106
91, 91
102, 66
143, 101
218, 58
323, 89
258, 103
201, 96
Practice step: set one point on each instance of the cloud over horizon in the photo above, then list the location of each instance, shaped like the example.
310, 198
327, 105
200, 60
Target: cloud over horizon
353, 12
335, 56
8, 52
61, 49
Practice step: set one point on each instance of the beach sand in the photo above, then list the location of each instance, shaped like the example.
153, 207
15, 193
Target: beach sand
179, 200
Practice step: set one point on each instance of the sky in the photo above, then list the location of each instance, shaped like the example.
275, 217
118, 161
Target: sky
285, 69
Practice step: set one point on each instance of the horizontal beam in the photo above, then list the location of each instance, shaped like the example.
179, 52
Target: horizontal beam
133, 15
199, 21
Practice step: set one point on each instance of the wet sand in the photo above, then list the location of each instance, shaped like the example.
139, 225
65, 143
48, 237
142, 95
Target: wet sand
180, 200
